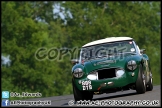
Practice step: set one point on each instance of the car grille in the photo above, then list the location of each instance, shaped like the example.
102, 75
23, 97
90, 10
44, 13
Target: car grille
106, 73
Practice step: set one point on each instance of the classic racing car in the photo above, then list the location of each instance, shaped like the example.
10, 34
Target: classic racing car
110, 65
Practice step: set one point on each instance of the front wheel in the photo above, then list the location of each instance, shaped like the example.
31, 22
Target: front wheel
150, 84
140, 83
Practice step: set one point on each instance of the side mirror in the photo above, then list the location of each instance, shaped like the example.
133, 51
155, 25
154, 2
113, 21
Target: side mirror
74, 61
142, 51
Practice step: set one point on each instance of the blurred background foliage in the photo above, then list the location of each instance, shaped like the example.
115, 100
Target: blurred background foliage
27, 26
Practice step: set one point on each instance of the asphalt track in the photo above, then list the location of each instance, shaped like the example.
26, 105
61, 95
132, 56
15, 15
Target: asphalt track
113, 99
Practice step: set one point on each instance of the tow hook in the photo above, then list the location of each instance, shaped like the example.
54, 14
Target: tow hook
102, 85
99, 88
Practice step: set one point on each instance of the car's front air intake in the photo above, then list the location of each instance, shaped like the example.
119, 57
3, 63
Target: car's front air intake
106, 73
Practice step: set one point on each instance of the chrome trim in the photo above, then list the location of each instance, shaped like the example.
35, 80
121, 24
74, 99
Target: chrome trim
110, 83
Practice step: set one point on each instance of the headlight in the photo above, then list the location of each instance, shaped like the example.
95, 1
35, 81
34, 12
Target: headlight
78, 73
132, 65
119, 73
93, 76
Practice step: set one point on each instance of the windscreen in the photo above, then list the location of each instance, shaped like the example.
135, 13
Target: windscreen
106, 49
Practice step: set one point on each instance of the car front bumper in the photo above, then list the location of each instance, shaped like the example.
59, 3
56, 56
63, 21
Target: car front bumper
84, 84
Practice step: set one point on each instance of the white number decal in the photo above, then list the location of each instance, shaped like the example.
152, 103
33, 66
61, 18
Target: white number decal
90, 86
84, 88
86, 85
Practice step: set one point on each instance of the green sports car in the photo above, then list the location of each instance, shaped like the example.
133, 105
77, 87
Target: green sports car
110, 65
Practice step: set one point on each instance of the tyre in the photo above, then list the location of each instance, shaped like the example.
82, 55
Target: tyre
141, 83
150, 84
88, 95
81, 95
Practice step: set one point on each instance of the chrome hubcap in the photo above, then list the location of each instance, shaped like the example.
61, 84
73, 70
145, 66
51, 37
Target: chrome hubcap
151, 80
143, 76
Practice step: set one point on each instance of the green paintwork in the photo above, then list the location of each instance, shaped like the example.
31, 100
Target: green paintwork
125, 79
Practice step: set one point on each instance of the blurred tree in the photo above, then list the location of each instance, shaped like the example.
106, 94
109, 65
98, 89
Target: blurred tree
101, 19
28, 26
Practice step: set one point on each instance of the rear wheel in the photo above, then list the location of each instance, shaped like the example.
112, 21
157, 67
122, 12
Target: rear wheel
150, 84
81, 95
140, 83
